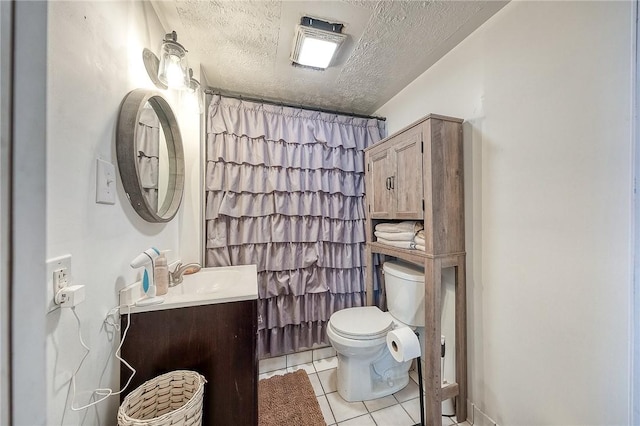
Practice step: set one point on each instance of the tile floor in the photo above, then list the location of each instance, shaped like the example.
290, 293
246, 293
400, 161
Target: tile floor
399, 409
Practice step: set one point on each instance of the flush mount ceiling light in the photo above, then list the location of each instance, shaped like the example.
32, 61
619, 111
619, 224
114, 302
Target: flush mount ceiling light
316, 43
170, 71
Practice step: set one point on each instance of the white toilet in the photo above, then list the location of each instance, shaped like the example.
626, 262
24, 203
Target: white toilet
366, 369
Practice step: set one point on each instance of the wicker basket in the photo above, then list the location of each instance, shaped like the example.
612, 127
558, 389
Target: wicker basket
173, 398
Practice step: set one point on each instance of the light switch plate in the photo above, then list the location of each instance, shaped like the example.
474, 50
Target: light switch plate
105, 182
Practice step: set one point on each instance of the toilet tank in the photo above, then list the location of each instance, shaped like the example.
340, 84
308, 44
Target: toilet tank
404, 285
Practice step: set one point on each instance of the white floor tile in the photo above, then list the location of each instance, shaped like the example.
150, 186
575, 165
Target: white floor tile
448, 421
326, 364
298, 358
392, 416
409, 392
365, 420
380, 403
465, 424
272, 373
412, 407
315, 383
414, 375
326, 410
309, 368
343, 410
328, 378
323, 353
271, 364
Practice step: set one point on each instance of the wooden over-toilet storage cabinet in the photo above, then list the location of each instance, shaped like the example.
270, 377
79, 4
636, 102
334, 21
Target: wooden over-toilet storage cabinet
417, 174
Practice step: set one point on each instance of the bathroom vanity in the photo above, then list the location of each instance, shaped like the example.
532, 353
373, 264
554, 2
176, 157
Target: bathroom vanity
207, 324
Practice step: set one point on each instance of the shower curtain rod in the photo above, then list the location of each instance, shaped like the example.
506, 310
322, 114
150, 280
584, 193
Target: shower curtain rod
278, 103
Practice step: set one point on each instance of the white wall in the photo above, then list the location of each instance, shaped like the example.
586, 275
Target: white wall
5, 81
635, 327
545, 89
95, 59
27, 222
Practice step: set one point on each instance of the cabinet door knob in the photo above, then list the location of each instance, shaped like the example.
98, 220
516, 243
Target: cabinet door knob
393, 182
388, 183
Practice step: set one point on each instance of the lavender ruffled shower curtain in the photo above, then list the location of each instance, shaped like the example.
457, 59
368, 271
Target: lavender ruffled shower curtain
284, 190
148, 148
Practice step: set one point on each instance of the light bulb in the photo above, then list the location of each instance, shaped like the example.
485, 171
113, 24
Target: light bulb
172, 70
175, 76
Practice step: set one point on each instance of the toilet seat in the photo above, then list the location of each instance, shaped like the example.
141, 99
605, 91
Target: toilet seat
361, 323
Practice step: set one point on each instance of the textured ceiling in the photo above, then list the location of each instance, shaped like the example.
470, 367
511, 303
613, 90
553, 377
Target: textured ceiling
243, 47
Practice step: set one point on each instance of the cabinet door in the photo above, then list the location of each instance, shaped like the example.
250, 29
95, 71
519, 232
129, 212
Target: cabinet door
218, 341
379, 184
407, 175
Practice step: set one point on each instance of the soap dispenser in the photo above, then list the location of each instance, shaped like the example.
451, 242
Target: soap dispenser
161, 272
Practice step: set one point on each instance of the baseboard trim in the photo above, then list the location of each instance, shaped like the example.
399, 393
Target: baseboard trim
477, 417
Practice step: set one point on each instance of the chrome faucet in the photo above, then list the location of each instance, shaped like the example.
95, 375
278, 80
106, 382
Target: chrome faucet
176, 276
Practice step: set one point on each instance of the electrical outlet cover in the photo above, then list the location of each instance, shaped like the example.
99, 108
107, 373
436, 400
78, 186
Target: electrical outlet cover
62, 262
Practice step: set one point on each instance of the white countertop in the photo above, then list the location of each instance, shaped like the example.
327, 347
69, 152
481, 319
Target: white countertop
209, 286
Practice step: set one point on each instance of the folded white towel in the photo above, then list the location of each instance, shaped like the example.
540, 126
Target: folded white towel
420, 247
406, 226
395, 236
420, 234
419, 240
399, 244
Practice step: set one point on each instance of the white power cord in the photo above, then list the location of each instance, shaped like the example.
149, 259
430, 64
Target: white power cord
104, 392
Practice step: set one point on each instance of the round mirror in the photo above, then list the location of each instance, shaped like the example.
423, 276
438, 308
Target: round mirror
150, 156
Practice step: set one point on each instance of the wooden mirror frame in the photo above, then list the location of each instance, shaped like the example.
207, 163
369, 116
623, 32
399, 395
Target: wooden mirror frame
127, 152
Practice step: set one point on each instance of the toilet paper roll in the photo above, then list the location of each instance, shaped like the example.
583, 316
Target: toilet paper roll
403, 344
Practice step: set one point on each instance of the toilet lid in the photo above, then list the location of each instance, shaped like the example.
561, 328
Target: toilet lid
362, 323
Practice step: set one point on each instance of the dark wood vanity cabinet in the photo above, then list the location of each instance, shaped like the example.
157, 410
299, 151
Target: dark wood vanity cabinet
218, 341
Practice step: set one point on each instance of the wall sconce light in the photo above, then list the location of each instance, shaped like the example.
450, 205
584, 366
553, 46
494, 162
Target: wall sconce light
170, 70
196, 90
316, 43
194, 85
